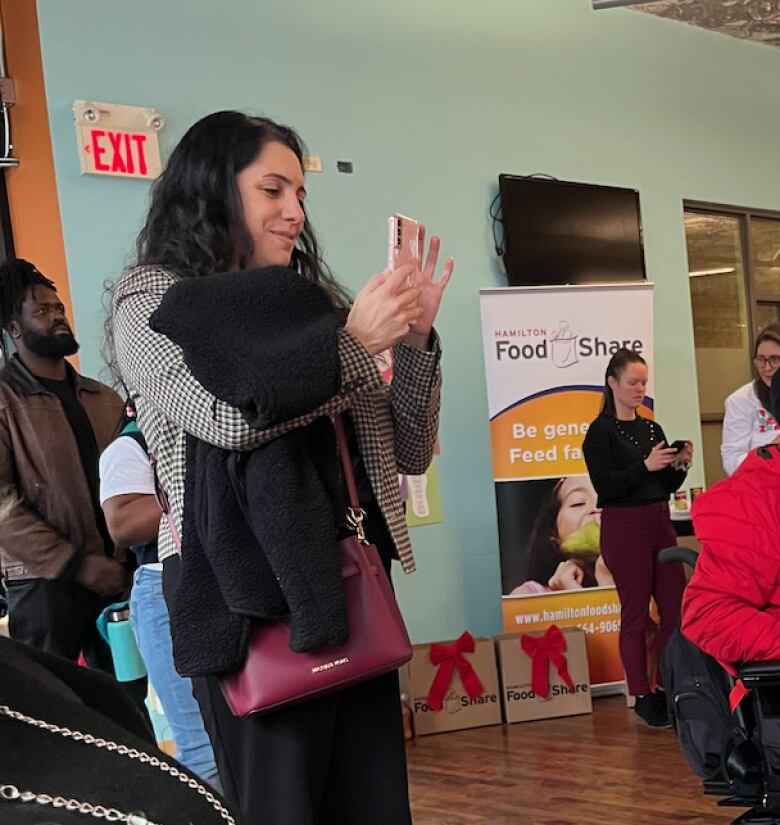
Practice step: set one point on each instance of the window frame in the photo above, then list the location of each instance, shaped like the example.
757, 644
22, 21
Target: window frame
752, 300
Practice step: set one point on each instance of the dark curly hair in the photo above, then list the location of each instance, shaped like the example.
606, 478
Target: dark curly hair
17, 277
195, 224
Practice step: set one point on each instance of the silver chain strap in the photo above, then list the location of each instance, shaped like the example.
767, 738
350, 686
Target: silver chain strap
122, 750
11, 793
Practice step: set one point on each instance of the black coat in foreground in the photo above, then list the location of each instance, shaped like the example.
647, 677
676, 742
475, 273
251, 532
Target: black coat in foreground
264, 341
55, 691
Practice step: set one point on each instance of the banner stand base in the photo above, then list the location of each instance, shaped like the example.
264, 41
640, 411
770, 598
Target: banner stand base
608, 689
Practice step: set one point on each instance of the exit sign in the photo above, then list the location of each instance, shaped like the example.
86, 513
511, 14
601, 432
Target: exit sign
118, 140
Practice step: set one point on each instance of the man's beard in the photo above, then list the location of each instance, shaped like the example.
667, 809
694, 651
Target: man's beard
52, 346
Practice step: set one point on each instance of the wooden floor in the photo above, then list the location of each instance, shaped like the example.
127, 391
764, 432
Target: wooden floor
584, 770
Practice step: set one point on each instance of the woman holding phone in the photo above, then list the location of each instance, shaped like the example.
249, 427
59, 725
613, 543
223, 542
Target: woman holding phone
634, 472
231, 200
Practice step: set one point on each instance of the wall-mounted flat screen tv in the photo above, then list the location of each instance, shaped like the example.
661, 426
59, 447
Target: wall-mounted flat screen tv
559, 232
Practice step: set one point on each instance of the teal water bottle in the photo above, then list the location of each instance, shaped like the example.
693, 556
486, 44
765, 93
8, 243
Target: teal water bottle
128, 664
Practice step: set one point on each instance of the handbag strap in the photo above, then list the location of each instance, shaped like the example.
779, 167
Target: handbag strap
346, 462
355, 513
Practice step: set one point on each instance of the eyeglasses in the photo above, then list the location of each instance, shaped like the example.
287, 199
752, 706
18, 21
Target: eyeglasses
772, 361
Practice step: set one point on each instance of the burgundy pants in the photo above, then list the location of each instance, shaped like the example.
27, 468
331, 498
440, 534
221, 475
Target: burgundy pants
631, 538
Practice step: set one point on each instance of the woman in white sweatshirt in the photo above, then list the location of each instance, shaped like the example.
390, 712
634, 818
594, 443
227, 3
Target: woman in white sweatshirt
748, 422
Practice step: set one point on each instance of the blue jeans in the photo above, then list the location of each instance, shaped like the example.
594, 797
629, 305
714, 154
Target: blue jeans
149, 617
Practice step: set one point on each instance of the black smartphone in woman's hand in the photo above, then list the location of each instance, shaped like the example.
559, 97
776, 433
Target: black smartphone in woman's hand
678, 445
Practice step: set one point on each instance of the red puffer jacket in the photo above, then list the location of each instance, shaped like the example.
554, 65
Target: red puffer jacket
731, 607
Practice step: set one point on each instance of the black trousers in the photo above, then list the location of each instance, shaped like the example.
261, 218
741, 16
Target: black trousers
338, 760
59, 617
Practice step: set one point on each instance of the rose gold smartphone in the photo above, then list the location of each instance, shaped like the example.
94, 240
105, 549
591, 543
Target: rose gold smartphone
403, 241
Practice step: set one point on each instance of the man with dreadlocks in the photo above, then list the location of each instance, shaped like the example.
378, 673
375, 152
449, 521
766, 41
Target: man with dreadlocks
55, 551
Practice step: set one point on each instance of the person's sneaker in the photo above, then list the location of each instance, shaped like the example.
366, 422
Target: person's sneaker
651, 708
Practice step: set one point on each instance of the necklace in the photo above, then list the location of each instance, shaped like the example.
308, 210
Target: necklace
631, 438
10, 792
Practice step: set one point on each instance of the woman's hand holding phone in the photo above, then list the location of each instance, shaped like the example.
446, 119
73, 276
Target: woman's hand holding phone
684, 456
385, 309
660, 457
406, 245
430, 292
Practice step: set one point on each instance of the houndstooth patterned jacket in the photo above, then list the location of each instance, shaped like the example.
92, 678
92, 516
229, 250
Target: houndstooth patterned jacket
396, 425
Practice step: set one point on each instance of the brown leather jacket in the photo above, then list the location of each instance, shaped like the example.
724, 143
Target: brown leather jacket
47, 519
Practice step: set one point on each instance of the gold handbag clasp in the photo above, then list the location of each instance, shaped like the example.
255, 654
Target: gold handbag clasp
355, 518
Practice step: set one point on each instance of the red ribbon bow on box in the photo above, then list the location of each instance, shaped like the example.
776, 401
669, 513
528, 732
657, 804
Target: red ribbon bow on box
543, 650
447, 658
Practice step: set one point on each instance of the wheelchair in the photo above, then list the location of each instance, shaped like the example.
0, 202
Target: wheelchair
749, 775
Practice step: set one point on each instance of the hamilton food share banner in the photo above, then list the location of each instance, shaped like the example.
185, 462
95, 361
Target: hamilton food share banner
546, 350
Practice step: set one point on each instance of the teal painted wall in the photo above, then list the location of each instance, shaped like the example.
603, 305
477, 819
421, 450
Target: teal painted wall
431, 101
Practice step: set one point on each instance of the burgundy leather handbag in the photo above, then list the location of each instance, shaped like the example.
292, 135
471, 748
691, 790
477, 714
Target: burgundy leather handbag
273, 676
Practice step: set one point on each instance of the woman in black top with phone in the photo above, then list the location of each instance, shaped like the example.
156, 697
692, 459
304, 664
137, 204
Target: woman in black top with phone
634, 472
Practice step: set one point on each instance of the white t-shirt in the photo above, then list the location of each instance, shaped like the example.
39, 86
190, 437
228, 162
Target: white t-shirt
125, 469
746, 425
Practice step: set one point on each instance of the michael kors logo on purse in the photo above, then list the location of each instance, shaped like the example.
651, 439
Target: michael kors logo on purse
520, 693
330, 665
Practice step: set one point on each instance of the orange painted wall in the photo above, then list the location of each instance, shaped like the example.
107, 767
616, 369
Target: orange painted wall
32, 186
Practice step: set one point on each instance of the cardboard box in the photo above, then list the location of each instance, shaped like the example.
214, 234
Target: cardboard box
403, 682
520, 702
460, 711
